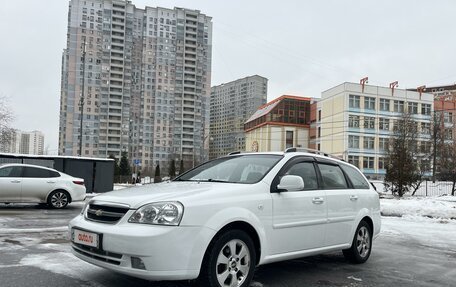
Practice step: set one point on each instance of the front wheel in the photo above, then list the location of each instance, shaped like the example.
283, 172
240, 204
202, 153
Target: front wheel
361, 247
58, 199
229, 262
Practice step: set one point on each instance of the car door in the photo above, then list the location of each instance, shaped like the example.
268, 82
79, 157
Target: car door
341, 201
36, 184
299, 217
10, 183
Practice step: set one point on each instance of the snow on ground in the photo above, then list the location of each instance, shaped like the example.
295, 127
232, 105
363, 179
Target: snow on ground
426, 231
438, 208
61, 262
429, 220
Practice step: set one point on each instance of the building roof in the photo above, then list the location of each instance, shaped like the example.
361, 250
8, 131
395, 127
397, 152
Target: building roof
268, 107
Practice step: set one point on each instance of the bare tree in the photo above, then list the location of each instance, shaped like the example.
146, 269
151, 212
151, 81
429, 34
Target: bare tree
447, 170
6, 117
402, 167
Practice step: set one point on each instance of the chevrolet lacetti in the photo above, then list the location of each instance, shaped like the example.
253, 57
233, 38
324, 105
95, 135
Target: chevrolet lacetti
218, 221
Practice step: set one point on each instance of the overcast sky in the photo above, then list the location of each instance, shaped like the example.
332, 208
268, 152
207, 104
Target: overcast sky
302, 47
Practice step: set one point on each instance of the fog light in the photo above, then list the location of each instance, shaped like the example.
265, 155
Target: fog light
137, 263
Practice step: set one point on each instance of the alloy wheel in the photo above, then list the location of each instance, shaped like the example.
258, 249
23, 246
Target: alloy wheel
233, 264
363, 241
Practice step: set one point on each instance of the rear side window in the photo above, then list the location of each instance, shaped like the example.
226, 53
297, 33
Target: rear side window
355, 177
37, 172
11, 171
332, 176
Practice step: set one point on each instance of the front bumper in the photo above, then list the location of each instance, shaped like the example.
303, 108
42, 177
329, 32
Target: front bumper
167, 252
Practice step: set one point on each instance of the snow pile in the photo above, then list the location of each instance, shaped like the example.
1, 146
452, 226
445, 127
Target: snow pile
438, 208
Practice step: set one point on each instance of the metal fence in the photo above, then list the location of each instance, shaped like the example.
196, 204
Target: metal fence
427, 188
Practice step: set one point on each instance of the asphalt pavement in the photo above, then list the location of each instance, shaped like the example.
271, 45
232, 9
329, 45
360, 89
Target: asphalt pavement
34, 251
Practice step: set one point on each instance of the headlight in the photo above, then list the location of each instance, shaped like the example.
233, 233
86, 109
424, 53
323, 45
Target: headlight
85, 207
160, 213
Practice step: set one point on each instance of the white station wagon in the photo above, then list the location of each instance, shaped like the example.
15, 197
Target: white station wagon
218, 221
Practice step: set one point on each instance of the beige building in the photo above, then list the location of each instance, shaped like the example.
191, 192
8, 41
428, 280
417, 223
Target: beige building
355, 122
279, 124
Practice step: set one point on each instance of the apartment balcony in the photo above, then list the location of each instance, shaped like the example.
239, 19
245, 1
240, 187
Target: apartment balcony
116, 63
116, 48
118, 20
191, 43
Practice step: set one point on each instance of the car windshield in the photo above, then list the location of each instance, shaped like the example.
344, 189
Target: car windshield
233, 169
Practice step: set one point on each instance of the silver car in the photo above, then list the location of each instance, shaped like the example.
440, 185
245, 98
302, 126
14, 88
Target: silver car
23, 183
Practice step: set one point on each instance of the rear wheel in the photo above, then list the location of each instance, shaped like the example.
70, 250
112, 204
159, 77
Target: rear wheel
361, 247
229, 262
58, 199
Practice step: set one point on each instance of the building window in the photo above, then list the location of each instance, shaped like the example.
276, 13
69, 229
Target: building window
384, 105
426, 128
354, 101
399, 106
289, 139
369, 142
383, 124
448, 117
425, 109
369, 122
368, 162
353, 121
354, 160
449, 134
353, 141
383, 144
381, 163
425, 147
413, 108
369, 103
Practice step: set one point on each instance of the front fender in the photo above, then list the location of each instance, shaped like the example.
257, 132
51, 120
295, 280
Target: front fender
225, 216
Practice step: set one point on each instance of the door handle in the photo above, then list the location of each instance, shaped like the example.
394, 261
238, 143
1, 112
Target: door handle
318, 200
50, 181
16, 181
353, 197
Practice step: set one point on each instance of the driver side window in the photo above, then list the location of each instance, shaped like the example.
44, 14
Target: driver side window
306, 171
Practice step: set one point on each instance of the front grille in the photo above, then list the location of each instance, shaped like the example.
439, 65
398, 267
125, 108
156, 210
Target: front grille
105, 213
108, 257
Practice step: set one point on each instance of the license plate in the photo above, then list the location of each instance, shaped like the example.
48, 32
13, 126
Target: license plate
84, 238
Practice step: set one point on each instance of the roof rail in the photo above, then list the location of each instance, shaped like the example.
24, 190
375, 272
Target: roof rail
309, 150
234, 152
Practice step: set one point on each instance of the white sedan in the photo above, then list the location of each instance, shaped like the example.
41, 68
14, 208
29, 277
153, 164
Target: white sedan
23, 183
218, 221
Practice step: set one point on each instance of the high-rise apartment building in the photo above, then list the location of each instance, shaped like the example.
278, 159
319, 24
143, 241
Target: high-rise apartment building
25, 143
231, 105
144, 81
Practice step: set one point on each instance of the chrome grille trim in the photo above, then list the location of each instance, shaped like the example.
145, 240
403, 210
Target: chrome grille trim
105, 212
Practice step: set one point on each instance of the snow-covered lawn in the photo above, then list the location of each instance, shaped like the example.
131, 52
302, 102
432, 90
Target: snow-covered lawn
442, 208
426, 231
431, 221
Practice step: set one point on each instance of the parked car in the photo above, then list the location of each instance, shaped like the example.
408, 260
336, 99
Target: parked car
24, 183
218, 221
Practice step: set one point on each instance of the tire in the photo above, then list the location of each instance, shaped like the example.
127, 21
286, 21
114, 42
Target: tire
361, 247
58, 199
231, 256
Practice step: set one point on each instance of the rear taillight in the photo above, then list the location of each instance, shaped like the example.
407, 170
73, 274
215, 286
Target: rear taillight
78, 182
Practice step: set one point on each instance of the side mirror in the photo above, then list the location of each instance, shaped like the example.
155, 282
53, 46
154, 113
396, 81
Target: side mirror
291, 183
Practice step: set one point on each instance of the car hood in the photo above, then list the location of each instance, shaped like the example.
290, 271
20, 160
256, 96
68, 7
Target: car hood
184, 192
